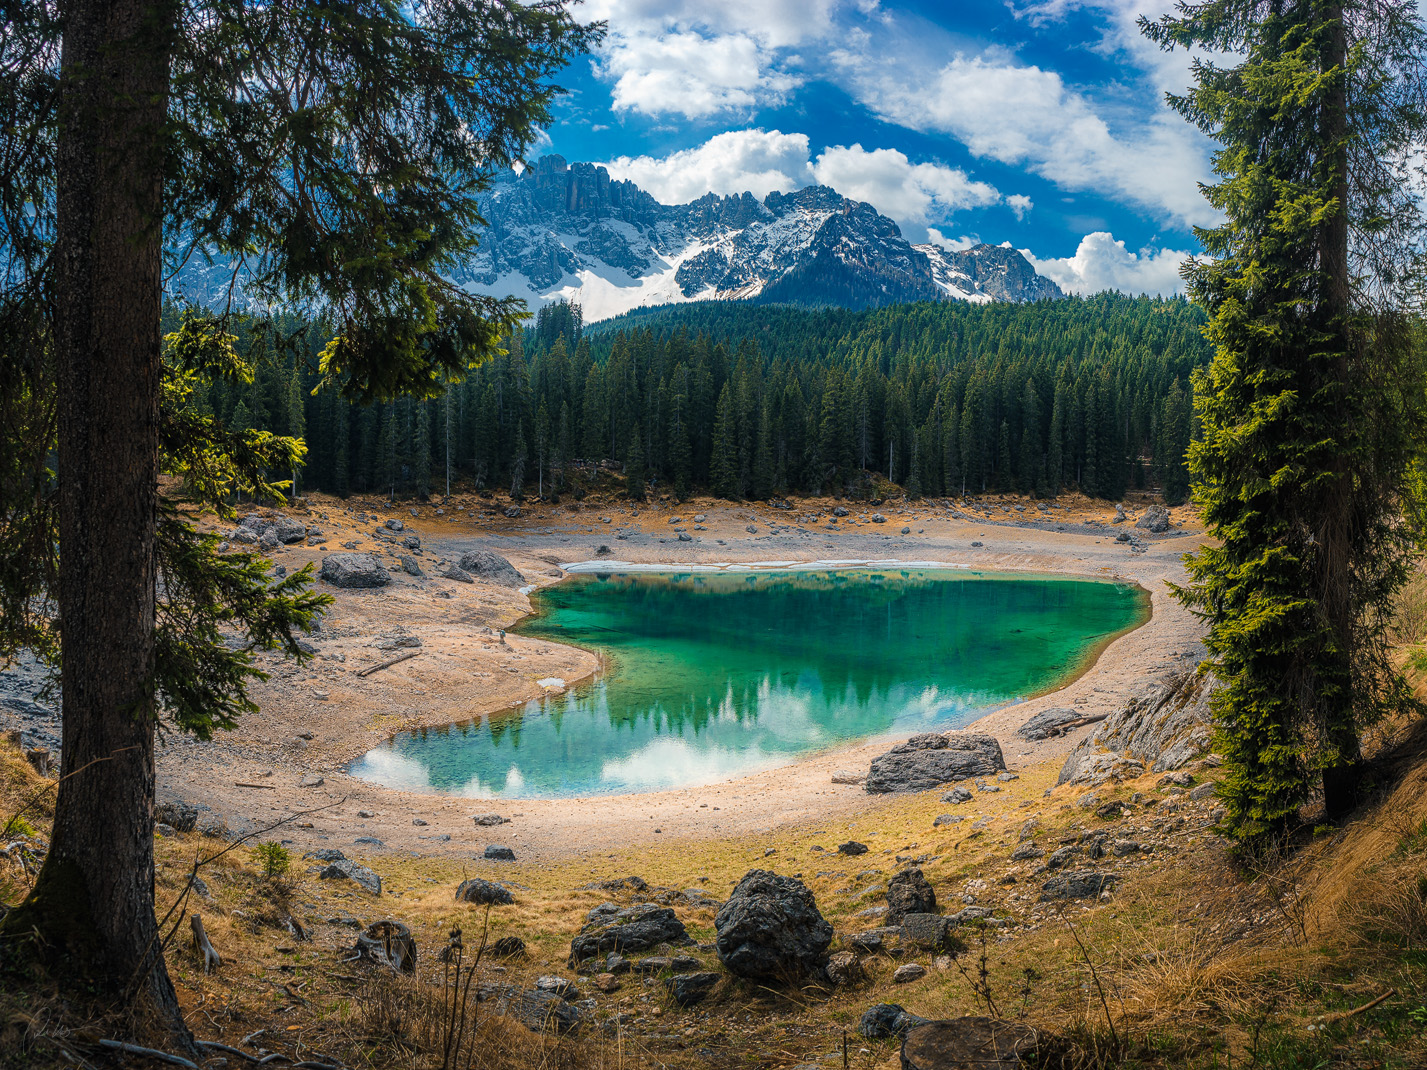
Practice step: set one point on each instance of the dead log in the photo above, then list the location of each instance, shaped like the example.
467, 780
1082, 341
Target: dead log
204, 946
387, 664
388, 943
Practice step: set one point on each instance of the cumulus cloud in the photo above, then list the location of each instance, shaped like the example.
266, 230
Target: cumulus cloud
761, 161
757, 161
913, 194
1020, 204
1027, 116
1102, 263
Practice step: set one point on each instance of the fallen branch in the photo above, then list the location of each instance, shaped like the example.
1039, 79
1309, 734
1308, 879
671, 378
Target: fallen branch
213, 1045
1345, 1015
265, 787
387, 664
152, 1053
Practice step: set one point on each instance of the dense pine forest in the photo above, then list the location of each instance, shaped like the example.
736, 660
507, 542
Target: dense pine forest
751, 402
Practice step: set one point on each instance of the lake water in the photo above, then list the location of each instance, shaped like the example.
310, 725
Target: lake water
708, 676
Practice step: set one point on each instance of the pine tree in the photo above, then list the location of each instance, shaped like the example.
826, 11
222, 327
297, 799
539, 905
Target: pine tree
1311, 406
635, 475
421, 448
723, 464
1031, 473
296, 415
1173, 445
517, 465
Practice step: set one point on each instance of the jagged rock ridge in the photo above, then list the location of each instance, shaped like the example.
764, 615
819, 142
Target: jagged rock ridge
571, 231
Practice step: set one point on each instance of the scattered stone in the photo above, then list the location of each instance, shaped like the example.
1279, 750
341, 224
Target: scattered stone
499, 854
345, 869
543, 1012
457, 573
887, 1020
906, 531
845, 968
931, 759
870, 942
686, 989
353, 571
419, 822
1203, 791
771, 928
616, 963
491, 567
394, 525
325, 854
929, 932
1026, 852
606, 982
182, 816
511, 511
852, 847
957, 795
1077, 884
487, 819
947, 819
561, 986
878, 518
909, 893
848, 776
633, 928
412, 542
507, 947
984, 1043
907, 973
410, 566
482, 892
368, 841
1111, 811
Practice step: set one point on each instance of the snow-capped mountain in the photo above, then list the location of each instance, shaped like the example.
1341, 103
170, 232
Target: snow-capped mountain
570, 231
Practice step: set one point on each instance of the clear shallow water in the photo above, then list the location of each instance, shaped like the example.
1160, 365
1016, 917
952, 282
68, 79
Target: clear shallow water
710, 676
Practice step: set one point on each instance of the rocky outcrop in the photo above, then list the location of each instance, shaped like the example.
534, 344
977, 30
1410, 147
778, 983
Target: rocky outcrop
770, 928
353, 571
632, 928
909, 893
1166, 727
491, 567
932, 759
1051, 723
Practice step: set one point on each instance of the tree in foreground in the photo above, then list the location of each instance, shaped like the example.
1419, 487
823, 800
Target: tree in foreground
330, 157
1313, 404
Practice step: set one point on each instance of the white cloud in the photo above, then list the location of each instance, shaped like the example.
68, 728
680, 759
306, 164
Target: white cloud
912, 194
774, 23
1102, 263
757, 161
761, 161
691, 75
1027, 116
958, 245
1020, 204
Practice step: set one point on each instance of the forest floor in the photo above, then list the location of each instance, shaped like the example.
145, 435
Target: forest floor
1189, 961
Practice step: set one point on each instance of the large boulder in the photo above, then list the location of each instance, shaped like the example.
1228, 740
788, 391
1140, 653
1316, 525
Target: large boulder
983, 1043
542, 1011
178, 814
1056, 722
1155, 520
354, 570
887, 1020
632, 928
491, 567
1165, 727
770, 928
1077, 884
346, 869
482, 892
909, 893
931, 759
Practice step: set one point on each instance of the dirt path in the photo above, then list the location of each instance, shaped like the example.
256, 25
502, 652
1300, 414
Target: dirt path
316, 718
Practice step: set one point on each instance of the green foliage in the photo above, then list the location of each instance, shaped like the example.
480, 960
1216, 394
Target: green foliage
1311, 410
272, 860
823, 399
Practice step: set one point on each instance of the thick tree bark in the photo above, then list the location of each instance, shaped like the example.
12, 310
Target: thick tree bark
91, 914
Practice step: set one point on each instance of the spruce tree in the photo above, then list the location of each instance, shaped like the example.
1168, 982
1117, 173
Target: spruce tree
1311, 408
723, 463
635, 474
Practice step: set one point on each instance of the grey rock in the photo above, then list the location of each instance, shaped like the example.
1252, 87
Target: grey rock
686, 989
487, 819
852, 847
498, 853
909, 893
412, 542
543, 1012
1165, 727
844, 968
928, 932
394, 525
511, 511
455, 572
983, 1043
907, 973
770, 928
1025, 852
957, 796
947, 819
491, 567
1154, 520
355, 872
887, 1020
482, 892
325, 854
1077, 884
507, 946
561, 986
410, 566
1203, 791
1056, 722
353, 571
181, 815
929, 760
369, 841
633, 928
1059, 859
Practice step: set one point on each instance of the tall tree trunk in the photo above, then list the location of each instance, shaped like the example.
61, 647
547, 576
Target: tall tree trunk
1341, 779
91, 914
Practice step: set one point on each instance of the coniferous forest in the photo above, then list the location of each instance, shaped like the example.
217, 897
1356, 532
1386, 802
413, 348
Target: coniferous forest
751, 402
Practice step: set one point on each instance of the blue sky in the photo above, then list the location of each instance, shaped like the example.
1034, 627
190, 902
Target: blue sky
1040, 123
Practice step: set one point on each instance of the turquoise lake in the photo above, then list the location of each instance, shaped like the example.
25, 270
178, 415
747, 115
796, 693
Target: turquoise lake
708, 676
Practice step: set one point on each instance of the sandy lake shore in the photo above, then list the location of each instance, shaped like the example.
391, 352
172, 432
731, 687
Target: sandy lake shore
316, 718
